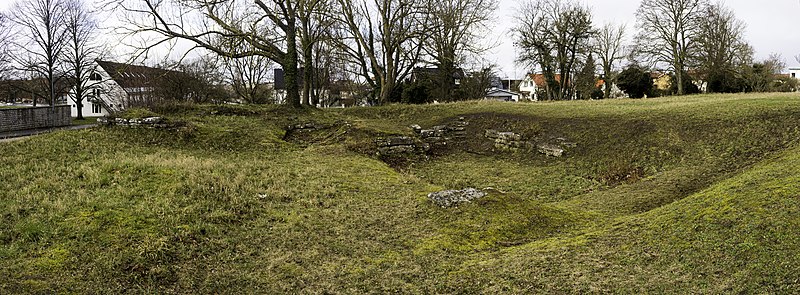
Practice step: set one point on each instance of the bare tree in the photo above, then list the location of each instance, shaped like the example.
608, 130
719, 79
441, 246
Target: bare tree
5, 44
81, 51
454, 31
381, 37
41, 48
553, 34
315, 27
608, 44
248, 75
269, 27
723, 53
667, 29
762, 74
198, 81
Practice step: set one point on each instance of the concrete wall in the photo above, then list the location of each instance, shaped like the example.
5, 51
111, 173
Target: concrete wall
34, 118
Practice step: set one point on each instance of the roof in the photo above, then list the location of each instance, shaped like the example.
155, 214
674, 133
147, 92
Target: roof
500, 93
539, 79
457, 73
129, 76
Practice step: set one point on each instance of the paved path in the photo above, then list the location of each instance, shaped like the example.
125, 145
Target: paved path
21, 134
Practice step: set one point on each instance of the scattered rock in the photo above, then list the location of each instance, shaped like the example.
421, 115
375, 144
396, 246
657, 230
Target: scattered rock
395, 141
550, 150
304, 126
563, 142
147, 122
452, 198
417, 129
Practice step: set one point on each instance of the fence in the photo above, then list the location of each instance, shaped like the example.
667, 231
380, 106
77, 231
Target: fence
14, 119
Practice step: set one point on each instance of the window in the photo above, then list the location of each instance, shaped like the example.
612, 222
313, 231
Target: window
794, 75
96, 109
95, 77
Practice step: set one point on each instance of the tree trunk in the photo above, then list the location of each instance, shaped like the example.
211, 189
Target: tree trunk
291, 73
607, 82
679, 78
79, 105
445, 77
308, 68
386, 91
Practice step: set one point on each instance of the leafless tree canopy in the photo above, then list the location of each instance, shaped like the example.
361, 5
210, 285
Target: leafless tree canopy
382, 39
81, 50
248, 76
454, 33
316, 24
723, 52
42, 42
5, 46
553, 35
667, 29
608, 44
269, 27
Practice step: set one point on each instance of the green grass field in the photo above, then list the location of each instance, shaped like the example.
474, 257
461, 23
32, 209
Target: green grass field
676, 195
84, 121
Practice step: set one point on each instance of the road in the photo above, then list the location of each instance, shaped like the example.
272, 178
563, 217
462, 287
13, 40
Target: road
22, 134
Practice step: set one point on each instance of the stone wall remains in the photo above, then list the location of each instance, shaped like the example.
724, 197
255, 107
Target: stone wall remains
34, 118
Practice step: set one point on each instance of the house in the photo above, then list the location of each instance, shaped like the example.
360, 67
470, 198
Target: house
794, 73
533, 85
502, 95
420, 74
114, 86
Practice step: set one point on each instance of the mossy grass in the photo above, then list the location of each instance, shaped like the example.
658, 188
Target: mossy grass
693, 194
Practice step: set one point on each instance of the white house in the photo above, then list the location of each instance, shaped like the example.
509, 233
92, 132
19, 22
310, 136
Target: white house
528, 87
502, 95
794, 73
112, 85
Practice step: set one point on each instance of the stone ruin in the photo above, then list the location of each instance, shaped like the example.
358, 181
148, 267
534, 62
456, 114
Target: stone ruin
148, 122
400, 145
441, 134
452, 198
511, 141
436, 136
506, 140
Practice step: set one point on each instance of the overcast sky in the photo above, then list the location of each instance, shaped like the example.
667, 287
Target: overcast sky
772, 26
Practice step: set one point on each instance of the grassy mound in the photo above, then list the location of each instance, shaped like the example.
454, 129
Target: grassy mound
666, 195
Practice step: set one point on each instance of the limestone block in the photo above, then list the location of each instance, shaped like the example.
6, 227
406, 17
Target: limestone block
550, 150
452, 198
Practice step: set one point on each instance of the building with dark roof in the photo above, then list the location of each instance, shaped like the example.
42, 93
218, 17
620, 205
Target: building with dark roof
117, 85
